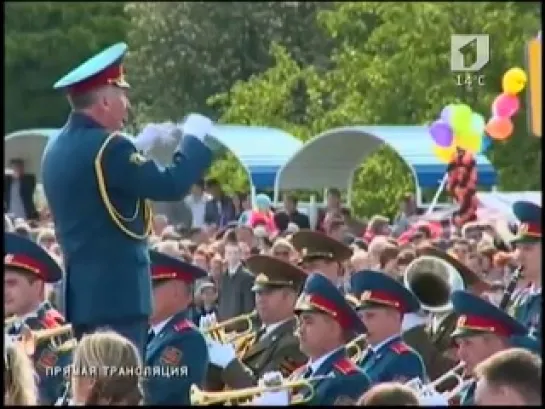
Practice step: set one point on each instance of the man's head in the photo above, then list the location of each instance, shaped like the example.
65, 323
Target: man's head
98, 88
213, 188
319, 333
290, 203
198, 188
333, 198
509, 378
276, 287
233, 253
22, 291
18, 167
172, 280
474, 349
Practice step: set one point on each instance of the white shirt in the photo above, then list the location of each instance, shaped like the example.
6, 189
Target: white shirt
314, 366
377, 347
232, 270
197, 205
157, 328
411, 320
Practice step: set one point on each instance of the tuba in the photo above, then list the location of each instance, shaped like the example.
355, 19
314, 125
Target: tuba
432, 280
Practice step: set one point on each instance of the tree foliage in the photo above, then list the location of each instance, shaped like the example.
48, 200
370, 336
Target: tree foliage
181, 53
43, 41
391, 66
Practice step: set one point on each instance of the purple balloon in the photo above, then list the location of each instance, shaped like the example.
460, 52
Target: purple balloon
445, 114
441, 133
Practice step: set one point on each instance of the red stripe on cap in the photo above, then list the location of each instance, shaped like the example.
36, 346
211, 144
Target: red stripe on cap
332, 309
474, 322
162, 272
385, 298
531, 229
26, 263
106, 77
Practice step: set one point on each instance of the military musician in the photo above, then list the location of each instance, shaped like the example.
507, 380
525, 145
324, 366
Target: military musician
97, 183
383, 303
526, 303
176, 349
27, 269
482, 329
326, 322
322, 254
273, 347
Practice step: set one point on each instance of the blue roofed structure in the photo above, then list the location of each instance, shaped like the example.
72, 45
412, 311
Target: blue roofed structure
330, 159
261, 150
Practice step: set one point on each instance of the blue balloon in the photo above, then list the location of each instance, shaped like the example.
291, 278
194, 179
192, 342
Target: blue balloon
487, 143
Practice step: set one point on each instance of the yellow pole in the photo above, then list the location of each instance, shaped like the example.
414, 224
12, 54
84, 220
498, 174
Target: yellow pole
534, 86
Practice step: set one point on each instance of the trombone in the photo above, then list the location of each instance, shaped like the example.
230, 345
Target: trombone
218, 331
31, 339
354, 350
199, 397
454, 373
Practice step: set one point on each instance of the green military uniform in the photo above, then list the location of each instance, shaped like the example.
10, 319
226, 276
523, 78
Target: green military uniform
313, 245
277, 350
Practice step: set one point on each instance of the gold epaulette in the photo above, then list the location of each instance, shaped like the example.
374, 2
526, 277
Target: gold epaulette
116, 216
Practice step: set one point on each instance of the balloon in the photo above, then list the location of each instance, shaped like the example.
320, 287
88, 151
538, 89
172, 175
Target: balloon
441, 134
514, 81
445, 155
486, 144
505, 105
446, 112
470, 142
499, 128
460, 118
477, 123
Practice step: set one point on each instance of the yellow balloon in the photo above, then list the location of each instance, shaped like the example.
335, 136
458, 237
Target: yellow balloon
470, 142
514, 81
445, 155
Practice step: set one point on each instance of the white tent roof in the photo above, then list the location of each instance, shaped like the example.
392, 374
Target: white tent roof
501, 203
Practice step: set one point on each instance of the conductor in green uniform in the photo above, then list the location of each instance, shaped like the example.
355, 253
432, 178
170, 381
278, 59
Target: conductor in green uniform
98, 184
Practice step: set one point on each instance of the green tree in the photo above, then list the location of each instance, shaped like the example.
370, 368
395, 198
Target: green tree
391, 66
181, 53
43, 41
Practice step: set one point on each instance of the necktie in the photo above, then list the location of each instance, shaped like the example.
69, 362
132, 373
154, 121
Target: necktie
151, 335
308, 373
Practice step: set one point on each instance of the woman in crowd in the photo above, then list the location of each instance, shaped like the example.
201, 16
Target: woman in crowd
20, 387
93, 385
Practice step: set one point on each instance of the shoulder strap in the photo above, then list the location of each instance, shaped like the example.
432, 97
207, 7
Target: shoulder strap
345, 366
400, 348
183, 325
117, 217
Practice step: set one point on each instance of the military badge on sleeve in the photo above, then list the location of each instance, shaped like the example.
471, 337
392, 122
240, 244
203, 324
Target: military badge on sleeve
171, 356
47, 359
137, 159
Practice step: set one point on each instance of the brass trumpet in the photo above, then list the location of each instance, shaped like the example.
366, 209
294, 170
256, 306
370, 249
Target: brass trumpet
218, 330
31, 339
202, 398
354, 351
453, 373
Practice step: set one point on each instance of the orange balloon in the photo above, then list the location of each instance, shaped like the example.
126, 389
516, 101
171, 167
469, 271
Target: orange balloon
499, 128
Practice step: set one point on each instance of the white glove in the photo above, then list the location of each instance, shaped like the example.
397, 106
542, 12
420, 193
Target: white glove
278, 398
198, 126
153, 133
220, 354
430, 397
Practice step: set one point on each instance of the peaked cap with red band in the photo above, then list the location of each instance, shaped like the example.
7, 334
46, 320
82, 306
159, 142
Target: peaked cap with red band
529, 215
478, 316
164, 267
320, 295
105, 68
374, 289
24, 254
